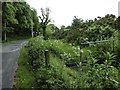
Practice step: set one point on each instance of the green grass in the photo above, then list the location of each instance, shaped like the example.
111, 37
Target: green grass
60, 66
56, 76
24, 76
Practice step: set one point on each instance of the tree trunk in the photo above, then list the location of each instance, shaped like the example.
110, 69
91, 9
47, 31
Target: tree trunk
5, 36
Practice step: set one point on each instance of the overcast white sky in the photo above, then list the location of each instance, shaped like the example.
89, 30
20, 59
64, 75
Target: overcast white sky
63, 11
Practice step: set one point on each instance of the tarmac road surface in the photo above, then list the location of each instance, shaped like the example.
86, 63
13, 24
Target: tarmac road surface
9, 53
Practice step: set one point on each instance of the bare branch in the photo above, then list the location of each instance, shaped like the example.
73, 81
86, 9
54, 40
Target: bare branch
45, 16
43, 13
41, 19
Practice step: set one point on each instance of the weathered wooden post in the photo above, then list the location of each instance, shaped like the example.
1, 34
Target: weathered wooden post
46, 57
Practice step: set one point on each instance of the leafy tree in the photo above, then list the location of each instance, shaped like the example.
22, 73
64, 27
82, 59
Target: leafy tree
35, 21
24, 16
18, 19
8, 17
53, 27
75, 33
62, 27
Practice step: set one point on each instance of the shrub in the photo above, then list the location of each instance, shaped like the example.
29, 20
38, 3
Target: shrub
66, 52
102, 75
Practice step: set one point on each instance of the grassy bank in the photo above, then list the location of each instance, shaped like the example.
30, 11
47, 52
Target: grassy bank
23, 74
56, 76
32, 71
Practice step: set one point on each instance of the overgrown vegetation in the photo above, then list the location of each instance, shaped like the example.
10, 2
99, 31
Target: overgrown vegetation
100, 65
24, 75
58, 75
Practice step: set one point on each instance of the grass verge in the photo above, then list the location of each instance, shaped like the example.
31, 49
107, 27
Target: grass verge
23, 74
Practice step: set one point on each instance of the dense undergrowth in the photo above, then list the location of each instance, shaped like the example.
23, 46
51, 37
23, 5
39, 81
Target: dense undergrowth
33, 73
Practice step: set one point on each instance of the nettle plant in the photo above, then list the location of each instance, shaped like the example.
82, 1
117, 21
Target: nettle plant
102, 75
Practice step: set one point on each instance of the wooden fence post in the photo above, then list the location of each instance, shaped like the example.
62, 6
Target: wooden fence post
46, 57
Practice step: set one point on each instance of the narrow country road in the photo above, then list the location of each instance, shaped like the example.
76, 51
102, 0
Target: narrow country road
10, 54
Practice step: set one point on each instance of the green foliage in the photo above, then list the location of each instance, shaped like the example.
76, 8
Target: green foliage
66, 52
35, 20
17, 19
58, 76
24, 76
90, 30
49, 30
23, 15
8, 13
102, 75
97, 69
8, 18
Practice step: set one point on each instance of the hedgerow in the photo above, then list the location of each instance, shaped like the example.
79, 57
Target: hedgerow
68, 53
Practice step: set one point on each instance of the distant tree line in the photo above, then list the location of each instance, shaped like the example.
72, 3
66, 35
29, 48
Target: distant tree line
90, 30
